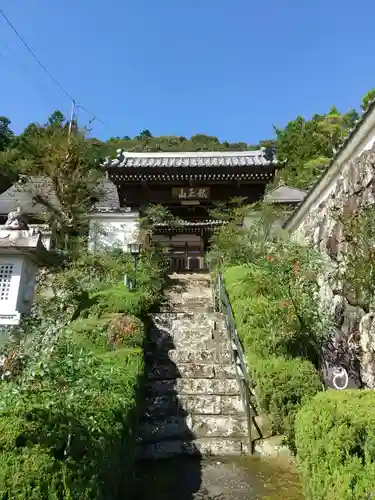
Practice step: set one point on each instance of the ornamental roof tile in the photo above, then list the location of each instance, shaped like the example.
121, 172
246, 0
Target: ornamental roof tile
184, 223
124, 159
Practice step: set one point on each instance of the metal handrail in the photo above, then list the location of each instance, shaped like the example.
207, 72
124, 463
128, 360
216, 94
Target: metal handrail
238, 358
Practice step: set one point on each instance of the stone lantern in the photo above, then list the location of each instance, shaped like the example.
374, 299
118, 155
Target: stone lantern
21, 254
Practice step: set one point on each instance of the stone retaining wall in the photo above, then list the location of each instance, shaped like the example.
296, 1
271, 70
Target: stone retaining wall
354, 340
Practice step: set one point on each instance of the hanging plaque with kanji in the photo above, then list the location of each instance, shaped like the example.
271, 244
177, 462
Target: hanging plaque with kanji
191, 193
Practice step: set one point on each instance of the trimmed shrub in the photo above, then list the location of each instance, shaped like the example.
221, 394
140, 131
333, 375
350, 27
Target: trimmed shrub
31, 473
75, 421
69, 412
335, 441
125, 331
280, 330
282, 387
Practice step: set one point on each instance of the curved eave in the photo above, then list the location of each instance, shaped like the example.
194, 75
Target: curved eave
260, 173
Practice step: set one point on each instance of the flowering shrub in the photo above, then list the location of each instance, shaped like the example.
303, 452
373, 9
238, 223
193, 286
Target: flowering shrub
282, 327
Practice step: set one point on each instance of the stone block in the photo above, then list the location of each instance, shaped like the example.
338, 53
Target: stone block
193, 426
201, 447
207, 386
225, 371
219, 426
199, 356
215, 447
367, 342
165, 428
231, 405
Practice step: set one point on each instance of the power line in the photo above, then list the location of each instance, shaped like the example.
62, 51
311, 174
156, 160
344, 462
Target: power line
28, 72
35, 57
95, 117
49, 74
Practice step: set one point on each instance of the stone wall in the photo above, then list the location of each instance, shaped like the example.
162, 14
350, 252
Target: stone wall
354, 340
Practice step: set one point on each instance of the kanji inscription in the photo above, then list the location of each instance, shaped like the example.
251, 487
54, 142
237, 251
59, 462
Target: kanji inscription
191, 193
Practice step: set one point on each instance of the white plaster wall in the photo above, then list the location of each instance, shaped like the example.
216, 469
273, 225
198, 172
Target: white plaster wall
114, 230
369, 144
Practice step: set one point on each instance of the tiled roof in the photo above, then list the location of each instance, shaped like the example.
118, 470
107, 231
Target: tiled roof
285, 194
194, 159
184, 223
22, 195
109, 201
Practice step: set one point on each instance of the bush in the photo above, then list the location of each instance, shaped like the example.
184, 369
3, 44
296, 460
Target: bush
110, 331
75, 413
335, 440
69, 411
282, 387
281, 328
31, 473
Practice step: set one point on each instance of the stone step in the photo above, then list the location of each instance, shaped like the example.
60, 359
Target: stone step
201, 447
208, 404
221, 356
187, 306
194, 386
193, 426
205, 341
169, 370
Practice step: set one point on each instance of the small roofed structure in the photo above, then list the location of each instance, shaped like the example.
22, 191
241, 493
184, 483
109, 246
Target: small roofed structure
281, 196
285, 195
21, 253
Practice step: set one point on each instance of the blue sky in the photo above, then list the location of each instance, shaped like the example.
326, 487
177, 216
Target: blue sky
179, 67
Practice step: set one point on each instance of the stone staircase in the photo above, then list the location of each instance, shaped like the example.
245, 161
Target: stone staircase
192, 402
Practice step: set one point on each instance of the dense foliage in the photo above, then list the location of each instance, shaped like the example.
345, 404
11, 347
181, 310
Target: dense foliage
335, 435
71, 381
356, 273
272, 287
306, 146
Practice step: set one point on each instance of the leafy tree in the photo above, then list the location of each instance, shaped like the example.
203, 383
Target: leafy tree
144, 134
306, 146
69, 169
6, 133
367, 98
57, 119
7, 157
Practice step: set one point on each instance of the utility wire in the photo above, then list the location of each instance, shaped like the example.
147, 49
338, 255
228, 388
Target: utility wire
28, 72
95, 117
48, 73
35, 57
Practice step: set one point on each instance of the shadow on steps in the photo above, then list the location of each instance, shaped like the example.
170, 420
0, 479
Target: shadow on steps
169, 464
177, 478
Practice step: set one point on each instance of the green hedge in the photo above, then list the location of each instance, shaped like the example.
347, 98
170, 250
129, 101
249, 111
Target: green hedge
274, 345
73, 421
68, 417
335, 440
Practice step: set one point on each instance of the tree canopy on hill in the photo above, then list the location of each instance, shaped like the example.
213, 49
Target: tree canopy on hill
305, 145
